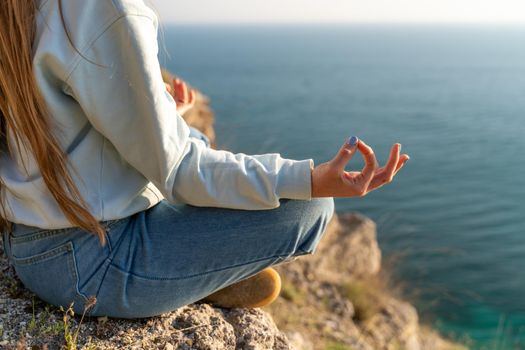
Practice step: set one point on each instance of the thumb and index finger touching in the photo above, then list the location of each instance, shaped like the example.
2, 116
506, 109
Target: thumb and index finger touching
347, 152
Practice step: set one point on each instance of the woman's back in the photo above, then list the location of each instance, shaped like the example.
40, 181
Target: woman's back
120, 129
109, 185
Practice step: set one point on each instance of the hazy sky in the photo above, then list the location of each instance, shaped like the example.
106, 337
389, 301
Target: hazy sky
257, 11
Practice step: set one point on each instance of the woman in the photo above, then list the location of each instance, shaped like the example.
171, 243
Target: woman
107, 193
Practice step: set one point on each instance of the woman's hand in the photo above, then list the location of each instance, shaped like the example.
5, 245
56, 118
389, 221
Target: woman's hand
331, 180
183, 96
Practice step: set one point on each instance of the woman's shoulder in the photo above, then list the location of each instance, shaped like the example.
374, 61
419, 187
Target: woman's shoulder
86, 20
104, 8
98, 11
84, 23
133, 7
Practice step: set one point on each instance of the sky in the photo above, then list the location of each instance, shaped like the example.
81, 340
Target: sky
340, 11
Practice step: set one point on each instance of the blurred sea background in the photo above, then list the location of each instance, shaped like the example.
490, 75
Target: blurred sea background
452, 224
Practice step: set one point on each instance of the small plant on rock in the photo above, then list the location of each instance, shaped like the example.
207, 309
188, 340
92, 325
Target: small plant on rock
70, 336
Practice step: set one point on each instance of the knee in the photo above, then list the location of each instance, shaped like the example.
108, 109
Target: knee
321, 208
315, 218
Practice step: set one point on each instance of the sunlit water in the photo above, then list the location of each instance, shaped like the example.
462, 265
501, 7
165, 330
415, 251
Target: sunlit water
454, 218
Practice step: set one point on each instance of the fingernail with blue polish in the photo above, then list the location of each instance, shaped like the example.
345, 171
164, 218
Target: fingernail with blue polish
352, 141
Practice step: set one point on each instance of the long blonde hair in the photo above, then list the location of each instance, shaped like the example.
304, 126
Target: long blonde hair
24, 115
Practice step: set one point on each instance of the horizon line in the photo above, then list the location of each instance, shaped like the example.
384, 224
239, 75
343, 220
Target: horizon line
287, 23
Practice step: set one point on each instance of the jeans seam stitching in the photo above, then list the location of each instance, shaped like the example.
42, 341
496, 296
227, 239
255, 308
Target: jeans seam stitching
38, 258
73, 267
37, 235
195, 275
103, 277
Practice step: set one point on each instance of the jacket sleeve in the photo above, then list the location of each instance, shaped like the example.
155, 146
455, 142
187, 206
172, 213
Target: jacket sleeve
124, 97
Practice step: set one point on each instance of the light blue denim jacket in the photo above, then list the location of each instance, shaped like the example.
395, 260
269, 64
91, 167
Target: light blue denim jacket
128, 147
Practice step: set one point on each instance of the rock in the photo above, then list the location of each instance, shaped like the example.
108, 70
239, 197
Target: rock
396, 323
346, 300
299, 341
203, 327
348, 250
254, 331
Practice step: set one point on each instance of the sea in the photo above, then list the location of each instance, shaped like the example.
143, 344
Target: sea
452, 223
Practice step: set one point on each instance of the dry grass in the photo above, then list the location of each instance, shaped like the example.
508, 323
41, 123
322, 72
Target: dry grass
333, 345
292, 293
366, 296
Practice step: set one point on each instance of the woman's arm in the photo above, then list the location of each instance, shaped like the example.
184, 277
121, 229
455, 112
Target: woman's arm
329, 179
125, 99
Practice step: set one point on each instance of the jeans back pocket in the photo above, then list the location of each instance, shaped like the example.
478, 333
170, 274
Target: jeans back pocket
52, 275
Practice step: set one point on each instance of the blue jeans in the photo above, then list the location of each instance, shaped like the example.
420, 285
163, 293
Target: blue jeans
164, 257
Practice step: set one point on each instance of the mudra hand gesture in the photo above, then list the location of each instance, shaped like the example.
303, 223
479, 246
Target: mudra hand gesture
183, 96
331, 180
